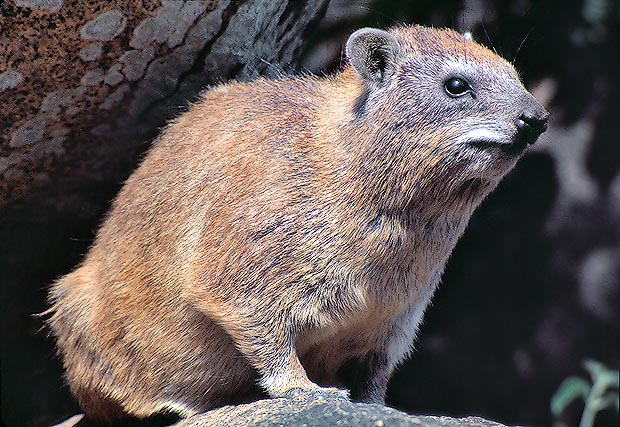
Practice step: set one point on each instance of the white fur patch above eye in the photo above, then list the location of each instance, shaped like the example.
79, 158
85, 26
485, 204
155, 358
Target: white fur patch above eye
488, 135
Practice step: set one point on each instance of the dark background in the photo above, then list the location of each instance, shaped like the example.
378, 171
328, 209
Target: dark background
530, 291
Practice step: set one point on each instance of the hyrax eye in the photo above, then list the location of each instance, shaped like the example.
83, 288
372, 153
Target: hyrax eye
456, 86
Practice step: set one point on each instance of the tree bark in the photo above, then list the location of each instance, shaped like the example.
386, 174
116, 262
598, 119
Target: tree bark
86, 85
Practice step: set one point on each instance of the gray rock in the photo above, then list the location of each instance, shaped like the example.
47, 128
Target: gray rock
115, 97
114, 76
10, 79
93, 77
318, 413
91, 52
299, 412
135, 62
104, 27
30, 132
51, 5
170, 24
55, 102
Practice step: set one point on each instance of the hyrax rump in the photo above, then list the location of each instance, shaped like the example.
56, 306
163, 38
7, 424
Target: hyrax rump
282, 232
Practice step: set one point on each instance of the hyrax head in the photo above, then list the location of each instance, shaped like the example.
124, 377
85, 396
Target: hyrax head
440, 96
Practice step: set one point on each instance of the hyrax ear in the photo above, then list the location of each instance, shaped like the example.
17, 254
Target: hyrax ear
372, 53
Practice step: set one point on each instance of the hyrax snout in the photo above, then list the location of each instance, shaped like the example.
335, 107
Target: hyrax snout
284, 236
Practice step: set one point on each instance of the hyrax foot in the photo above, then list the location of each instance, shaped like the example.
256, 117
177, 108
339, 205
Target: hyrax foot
320, 393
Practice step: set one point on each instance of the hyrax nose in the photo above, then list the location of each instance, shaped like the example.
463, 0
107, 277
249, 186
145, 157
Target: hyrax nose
531, 123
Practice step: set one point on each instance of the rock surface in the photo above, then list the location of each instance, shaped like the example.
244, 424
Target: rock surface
313, 413
321, 413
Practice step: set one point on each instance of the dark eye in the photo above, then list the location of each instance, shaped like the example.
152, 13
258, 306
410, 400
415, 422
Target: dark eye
456, 86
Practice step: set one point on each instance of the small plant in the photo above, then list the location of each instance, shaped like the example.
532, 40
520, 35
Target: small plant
602, 393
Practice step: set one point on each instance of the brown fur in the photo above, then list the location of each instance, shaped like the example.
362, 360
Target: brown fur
281, 230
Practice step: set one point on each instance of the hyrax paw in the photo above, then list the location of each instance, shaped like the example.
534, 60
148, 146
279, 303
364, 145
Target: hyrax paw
322, 393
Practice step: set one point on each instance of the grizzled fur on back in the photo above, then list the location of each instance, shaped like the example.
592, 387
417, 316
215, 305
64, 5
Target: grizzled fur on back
286, 236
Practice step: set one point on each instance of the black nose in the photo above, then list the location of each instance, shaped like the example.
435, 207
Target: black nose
531, 125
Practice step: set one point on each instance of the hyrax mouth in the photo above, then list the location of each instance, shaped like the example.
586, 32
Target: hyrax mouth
513, 147
526, 130
495, 141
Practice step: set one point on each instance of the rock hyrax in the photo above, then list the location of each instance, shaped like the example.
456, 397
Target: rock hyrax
285, 236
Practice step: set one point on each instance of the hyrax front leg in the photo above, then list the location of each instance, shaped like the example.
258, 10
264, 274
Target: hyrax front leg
291, 381
268, 342
282, 375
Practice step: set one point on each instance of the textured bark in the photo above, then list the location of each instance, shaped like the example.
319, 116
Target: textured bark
85, 86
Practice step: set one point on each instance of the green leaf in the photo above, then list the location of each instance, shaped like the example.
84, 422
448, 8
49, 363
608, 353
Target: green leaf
571, 388
611, 399
596, 369
611, 379
601, 373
